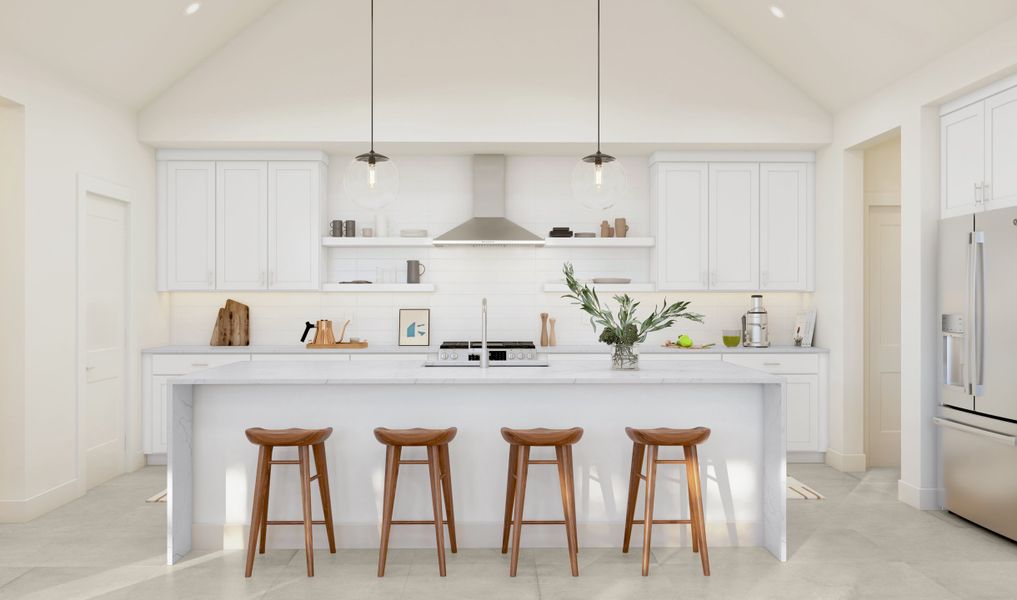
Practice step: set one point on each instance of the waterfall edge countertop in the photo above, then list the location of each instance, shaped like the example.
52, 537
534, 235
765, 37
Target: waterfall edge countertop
381, 349
412, 372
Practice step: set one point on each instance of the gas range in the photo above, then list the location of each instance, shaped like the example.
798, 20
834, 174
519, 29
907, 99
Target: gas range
500, 354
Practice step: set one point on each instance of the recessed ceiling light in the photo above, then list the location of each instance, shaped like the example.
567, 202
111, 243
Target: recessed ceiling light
776, 11
192, 8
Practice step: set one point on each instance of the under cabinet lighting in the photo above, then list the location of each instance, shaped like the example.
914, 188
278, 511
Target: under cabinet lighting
192, 8
777, 11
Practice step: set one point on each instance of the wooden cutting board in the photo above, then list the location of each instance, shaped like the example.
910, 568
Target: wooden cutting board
670, 344
232, 325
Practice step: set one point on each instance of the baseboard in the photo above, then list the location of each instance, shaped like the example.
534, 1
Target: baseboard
802, 457
233, 536
920, 498
848, 463
155, 459
22, 511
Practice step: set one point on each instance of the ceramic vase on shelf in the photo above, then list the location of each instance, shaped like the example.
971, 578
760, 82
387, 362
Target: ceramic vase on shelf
624, 357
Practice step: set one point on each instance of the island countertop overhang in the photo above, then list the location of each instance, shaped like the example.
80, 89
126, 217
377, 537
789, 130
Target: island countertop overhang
412, 372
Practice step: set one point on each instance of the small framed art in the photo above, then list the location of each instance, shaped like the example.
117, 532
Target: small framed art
414, 327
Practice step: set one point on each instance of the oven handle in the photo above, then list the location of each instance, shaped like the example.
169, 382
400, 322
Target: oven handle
995, 436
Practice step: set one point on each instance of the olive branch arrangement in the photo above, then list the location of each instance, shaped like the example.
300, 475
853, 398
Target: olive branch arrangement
625, 328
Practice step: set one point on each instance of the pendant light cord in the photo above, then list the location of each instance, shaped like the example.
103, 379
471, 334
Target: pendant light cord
598, 76
372, 76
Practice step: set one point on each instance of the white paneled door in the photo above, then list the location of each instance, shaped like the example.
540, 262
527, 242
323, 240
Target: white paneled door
241, 209
293, 225
785, 231
683, 213
734, 226
882, 397
104, 291
190, 225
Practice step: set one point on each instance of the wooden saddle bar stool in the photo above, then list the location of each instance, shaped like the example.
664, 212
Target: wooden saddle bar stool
647, 441
436, 441
304, 440
520, 441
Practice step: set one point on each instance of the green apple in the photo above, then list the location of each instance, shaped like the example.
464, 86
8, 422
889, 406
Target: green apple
684, 341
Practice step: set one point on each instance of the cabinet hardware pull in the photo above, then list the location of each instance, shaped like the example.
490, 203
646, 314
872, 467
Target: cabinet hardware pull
986, 196
771, 364
978, 195
197, 364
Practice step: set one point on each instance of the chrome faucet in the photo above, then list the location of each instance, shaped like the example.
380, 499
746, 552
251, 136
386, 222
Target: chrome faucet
484, 358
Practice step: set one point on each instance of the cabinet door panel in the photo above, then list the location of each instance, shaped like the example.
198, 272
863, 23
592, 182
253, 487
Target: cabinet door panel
734, 226
802, 413
190, 225
294, 240
962, 140
241, 225
1001, 150
155, 442
785, 229
682, 226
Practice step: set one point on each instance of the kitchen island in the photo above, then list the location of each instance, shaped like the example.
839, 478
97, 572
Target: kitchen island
211, 465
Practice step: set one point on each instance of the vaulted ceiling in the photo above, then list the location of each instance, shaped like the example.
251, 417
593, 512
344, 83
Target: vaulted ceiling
836, 51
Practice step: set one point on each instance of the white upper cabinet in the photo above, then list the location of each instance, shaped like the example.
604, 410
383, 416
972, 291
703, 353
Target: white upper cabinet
1001, 150
962, 169
294, 240
682, 216
241, 208
785, 226
734, 226
188, 251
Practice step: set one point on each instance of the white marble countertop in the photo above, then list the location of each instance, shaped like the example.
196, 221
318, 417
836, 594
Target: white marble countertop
381, 349
412, 372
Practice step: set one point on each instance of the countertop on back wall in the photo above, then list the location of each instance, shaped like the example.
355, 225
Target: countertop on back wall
380, 349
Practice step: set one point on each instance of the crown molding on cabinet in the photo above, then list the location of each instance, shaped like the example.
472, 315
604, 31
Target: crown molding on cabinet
216, 154
728, 156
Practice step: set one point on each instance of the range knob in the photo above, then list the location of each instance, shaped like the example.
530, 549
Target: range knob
529, 356
511, 355
443, 355
455, 356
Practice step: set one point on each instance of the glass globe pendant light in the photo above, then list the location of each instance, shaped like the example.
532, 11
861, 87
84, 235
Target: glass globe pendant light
598, 180
371, 179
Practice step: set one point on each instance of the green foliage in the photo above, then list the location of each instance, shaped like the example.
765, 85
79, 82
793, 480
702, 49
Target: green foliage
624, 328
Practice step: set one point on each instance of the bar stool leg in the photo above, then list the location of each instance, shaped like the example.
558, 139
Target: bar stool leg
321, 469
392, 454
510, 494
264, 512
692, 499
570, 484
256, 509
522, 465
630, 510
305, 496
651, 485
434, 468
566, 508
446, 488
699, 520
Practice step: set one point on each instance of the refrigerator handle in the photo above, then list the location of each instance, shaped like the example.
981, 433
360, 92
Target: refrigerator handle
977, 299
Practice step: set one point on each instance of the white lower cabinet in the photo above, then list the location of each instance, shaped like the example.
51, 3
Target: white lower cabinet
802, 413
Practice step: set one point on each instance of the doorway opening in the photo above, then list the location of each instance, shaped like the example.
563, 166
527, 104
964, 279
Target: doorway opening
882, 310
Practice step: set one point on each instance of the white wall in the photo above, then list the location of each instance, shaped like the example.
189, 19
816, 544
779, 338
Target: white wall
437, 195
68, 132
485, 71
910, 104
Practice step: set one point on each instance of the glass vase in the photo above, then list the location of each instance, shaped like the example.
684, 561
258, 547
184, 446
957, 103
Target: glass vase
624, 357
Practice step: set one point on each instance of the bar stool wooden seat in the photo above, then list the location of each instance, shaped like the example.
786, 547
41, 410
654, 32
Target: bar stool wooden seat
304, 440
520, 441
436, 441
647, 441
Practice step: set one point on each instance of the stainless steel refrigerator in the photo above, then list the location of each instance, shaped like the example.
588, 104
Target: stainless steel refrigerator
978, 367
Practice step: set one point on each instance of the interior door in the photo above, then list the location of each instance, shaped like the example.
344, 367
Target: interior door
785, 226
882, 397
962, 168
294, 239
997, 286
734, 226
241, 205
190, 244
104, 287
1001, 150
683, 205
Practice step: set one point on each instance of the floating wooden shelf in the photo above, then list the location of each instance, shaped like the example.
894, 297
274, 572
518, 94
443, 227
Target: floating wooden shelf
605, 287
599, 242
378, 287
376, 242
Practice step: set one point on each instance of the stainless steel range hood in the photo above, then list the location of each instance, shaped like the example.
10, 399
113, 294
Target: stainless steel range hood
488, 227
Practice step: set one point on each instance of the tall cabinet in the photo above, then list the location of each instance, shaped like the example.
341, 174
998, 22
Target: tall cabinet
240, 220
733, 221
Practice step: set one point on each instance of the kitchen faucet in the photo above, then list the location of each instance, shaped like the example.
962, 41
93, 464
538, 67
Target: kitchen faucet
484, 358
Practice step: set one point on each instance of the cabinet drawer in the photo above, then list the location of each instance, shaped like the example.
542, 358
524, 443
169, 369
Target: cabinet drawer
777, 363
330, 357
182, 364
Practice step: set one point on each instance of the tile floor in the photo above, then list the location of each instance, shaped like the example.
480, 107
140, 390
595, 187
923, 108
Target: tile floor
858, 543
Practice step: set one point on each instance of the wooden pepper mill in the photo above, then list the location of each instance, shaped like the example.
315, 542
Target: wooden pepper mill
543, 329
553, 339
